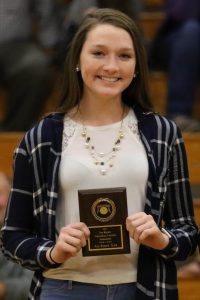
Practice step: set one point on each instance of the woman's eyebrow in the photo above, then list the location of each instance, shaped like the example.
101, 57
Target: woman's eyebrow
120, 49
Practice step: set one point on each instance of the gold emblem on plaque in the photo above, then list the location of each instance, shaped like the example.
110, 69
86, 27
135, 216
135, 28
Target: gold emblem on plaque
103, 209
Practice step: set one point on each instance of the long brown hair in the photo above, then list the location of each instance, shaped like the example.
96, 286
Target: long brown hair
137, 92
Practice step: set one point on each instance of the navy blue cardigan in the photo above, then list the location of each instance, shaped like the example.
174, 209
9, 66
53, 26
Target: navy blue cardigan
29, 228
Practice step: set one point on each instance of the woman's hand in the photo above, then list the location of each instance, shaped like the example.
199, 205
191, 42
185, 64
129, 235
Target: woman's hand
144, 230
71, 239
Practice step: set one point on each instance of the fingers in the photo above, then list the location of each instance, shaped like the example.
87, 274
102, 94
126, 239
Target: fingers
144, 230
82, 227
141, 226
70, 241
75, 235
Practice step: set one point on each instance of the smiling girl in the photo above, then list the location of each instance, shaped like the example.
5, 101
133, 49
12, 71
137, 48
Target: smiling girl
105, 135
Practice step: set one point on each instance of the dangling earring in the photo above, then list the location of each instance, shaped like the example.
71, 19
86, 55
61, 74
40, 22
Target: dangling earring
77, 68
134, 75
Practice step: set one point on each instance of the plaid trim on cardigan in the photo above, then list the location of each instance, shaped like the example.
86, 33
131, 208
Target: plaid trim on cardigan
29, 228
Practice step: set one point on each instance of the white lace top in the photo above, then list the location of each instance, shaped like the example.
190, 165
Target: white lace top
78, 171
70, 127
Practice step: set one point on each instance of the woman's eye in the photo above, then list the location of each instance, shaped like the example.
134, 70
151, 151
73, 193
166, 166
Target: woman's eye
98, 53
124, 56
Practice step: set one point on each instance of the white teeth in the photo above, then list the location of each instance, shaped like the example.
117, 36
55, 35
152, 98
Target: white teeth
110, 79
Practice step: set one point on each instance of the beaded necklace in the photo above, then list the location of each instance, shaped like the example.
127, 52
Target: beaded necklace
104, 161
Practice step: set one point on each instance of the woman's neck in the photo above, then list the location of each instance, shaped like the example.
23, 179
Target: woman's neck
99, 114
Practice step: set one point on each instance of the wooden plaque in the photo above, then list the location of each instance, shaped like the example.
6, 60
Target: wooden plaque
104, 211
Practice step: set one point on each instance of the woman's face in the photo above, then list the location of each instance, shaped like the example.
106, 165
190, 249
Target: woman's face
107, 62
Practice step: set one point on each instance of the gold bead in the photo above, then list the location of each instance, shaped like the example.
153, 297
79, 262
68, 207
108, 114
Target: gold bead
103, 172
83, 134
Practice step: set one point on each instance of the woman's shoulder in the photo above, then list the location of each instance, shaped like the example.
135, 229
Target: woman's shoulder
164, 120
48, 124
53, 119
45, 130
155, 120
158, 126
167, 129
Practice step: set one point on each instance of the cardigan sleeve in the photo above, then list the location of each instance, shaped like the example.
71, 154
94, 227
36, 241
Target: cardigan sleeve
178, 214
21, 240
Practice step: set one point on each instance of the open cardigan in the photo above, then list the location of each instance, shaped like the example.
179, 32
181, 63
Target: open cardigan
29, 228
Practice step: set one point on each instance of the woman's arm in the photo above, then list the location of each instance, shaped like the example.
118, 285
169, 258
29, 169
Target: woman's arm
178, 214
178, 239
21, 238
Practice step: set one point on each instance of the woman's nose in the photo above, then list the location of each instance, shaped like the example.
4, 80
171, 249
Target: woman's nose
111, 65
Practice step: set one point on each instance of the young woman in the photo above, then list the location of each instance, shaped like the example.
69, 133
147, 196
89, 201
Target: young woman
105, 135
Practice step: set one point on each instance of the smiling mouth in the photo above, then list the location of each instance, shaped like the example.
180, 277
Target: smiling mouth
109, 79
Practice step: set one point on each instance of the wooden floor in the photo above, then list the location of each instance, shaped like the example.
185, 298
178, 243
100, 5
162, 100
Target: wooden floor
8, 143
189, 289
